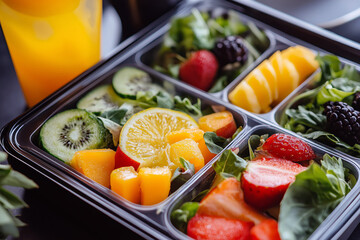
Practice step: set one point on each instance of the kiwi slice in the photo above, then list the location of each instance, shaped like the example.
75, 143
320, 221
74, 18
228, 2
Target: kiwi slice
100, 99
129, 80
73, 130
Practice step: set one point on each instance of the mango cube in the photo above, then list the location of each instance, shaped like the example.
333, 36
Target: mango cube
154, 184
125, 181
189, 150
96, 164
192, 133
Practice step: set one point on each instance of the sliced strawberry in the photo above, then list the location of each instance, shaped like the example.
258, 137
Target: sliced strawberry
288, 147
199, 70
265, 181
216, 228
266, 230
227, 200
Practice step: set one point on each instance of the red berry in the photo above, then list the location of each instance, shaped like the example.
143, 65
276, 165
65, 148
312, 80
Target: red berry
199, 70
288, 147
266, 230
266, 180
216, 228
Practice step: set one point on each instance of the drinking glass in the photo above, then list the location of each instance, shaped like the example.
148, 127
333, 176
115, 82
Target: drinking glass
50, 41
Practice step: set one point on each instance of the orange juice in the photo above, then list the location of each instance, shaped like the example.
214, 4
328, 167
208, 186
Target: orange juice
50, 41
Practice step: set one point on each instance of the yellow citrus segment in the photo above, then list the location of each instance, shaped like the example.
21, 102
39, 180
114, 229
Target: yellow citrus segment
193, 133
144, 136
288, 81
257, 81
244, 96
303, 60
270, 75
273, 80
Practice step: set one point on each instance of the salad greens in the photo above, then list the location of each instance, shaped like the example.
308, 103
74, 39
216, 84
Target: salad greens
181, 216
311, 198
304, 114
200, 30
215, 143
230, 165
182, 175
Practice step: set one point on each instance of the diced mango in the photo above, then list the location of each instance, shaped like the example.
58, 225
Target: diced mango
244, 96
189, 150
222, 123
96, 164
126, 182
205, 151
154, 184
263, 93
192, 133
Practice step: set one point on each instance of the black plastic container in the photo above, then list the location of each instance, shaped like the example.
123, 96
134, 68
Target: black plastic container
20, 137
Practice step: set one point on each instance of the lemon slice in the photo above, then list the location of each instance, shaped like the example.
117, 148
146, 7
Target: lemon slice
143, 137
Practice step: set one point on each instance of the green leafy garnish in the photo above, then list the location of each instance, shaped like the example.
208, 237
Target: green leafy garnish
214, 143
182, 175
230, 165
311, 198
180, 217
8, 201
185, 105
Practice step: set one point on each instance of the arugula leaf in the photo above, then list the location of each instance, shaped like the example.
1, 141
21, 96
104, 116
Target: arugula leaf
214, 143
180, 217
311, 118
182, 175
230, 165
311, 198
185, 105
219, 84
150, 99
118, 114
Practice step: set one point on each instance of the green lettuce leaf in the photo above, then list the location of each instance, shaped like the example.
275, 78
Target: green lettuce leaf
185, 105
230, 165
180, 217
329, 93
311, 198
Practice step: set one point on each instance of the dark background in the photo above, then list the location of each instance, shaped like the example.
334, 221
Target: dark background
53, 213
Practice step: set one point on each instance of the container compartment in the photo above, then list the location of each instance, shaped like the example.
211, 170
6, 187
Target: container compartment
149, 54
331, 223
278, 115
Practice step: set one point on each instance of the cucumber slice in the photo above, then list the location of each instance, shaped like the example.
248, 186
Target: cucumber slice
100, 99
71, 131
128, 81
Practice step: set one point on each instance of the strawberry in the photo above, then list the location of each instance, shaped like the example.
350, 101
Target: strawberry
208, 227
199, 70
288, 147
266, 230
227, 200
266, 180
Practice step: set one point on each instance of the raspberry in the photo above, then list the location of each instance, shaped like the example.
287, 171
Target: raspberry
231, 50
343, 121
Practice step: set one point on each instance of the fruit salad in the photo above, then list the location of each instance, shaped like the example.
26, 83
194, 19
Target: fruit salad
274, 79
329, 112
277, 190
209, 49
133, 135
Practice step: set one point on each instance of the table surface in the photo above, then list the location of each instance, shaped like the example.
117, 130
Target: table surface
46, 218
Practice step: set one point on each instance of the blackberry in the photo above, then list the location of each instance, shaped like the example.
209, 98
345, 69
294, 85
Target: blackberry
343, 121
231, 50
356, 101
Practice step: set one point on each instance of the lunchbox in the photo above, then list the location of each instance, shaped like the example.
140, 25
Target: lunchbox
20, 138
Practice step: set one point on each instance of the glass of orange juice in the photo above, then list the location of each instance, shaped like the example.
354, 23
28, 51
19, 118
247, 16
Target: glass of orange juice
50, 41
